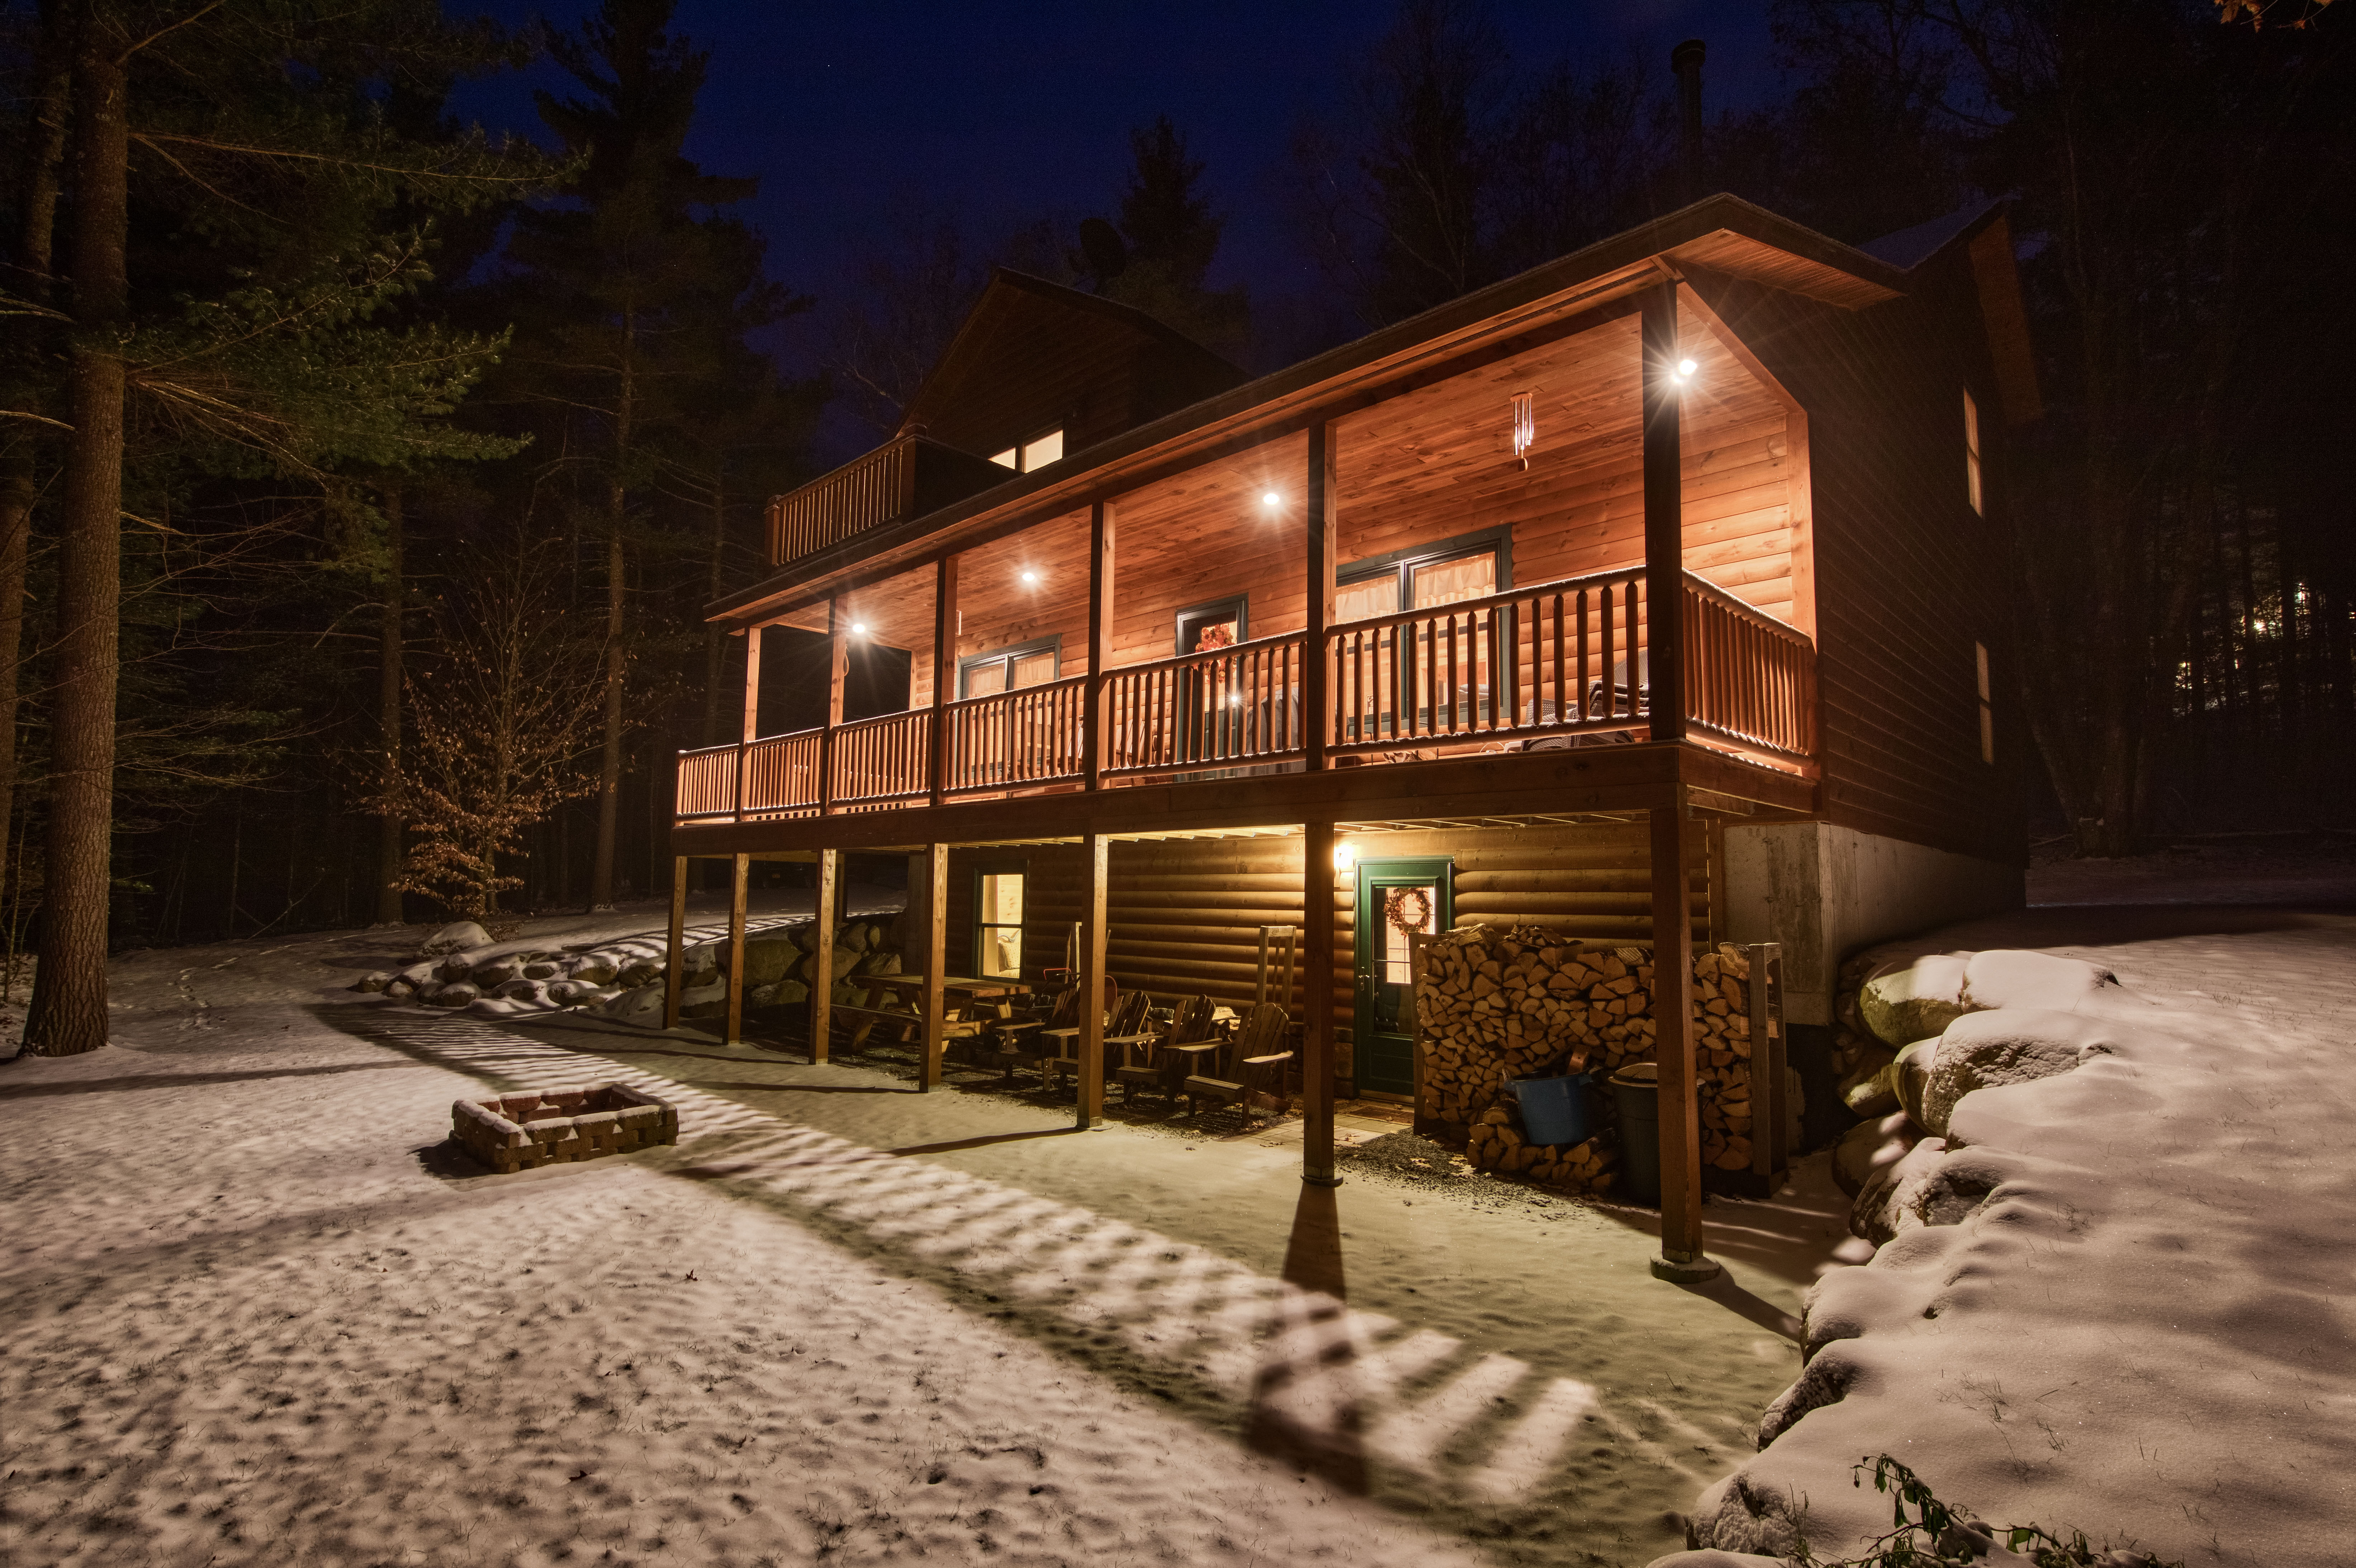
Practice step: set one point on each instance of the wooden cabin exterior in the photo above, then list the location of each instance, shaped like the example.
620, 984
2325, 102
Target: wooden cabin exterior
1194, 655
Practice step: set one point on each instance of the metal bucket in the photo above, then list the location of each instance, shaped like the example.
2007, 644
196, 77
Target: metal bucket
1553, 1110
1636, 1094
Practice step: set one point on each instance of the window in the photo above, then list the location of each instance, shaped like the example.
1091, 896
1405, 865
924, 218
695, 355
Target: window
1029, 455
1987, 714
998, 924
1420, 579
1008, 669
1221, 624
1972, 471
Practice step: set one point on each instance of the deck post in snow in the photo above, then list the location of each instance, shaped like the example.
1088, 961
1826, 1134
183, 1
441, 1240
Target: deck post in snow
933, 868
1092, 982
1317, 1051
674, 960
739, 882
821, 969
1681, 1258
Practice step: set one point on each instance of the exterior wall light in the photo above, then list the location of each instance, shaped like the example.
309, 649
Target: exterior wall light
858, 628
1030, 577
1345, 857
1271, 500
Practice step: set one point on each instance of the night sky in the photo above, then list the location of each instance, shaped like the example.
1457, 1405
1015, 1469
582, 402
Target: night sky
859, 117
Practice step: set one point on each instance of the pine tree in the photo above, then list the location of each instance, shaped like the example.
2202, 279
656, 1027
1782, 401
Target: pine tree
1171, 235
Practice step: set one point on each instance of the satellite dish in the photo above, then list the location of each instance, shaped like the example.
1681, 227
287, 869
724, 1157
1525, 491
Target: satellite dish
1100, 245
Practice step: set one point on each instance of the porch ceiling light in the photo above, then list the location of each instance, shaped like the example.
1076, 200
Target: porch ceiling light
1271, 500
1685, 368
1030, 577
858, 628
1345, 855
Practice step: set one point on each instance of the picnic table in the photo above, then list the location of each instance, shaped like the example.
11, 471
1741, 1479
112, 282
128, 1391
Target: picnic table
964, 988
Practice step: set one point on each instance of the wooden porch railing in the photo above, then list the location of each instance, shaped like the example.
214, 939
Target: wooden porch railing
851, 500
1558, 658
1231, 707
1013, 739
883, 762
1551, 658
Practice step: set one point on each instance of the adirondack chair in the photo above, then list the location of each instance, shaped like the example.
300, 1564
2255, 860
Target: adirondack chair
1124, 1025
968, 1035
1160, 1062
1016, 1042
1254, 1065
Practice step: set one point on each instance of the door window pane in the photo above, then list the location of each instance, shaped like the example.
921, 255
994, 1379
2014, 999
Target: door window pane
1033, 669
999, 926
1407, 911
1449, 581
985, 679
1364, 600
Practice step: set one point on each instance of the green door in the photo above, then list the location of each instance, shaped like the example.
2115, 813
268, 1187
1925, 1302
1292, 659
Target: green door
1396, 900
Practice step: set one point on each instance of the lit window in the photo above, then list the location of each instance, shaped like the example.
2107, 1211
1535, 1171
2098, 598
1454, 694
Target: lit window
1007, 670
1010, 458
1987, 714
998, 926
1048, 448
1444, 577
1972, 459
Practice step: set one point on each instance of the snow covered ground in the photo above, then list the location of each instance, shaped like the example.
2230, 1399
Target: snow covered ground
256, 1311
2147, 1330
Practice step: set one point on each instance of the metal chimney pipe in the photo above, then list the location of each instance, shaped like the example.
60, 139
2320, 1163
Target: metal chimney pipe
1685, 61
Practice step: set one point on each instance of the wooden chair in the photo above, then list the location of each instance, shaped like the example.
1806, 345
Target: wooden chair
1015, 1042
1258, 1067
1161, 1061
1124, 1025
968, 1034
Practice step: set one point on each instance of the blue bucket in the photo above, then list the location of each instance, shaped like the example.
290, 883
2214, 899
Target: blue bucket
1553, 1110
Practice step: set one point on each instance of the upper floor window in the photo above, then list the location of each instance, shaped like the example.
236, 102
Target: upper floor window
1036, 453
1988, 712
1418, 582
1972, 454
1007, 670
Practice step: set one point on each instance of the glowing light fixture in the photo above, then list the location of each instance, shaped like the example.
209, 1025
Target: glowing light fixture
1526, 427
858, 628
1030, 577
1686, 368
1271, 500
1345, 856
1236, 699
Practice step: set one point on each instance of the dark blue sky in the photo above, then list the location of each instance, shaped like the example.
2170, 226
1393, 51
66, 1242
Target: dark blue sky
855, 116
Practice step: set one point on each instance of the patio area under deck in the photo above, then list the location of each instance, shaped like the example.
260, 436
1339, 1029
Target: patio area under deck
1671, 786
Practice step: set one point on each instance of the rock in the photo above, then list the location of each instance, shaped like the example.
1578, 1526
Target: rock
456, 993
522, 990
1905, 1001
642, 1006
541, 969
1869, 1147
2016, 1045
704, 958
697, 1002
397, 986
880, 964
455, 937
1910, 1074
493, 973
805, 935
845, 961
768, 959
457, 966
780, 994
855, 936
640, 973
1738, 1516
1712, 1557
1864, 1085
1825, 1380
418, 973
2008, 978
564, 993
374, 982
595, 969
1889, 1202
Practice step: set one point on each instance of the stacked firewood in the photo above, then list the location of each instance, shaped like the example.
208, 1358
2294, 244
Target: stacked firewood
1493, 1006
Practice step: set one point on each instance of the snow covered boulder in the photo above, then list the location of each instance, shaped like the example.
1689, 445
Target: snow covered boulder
1865, 1089
1888, 1202
2014, 1045
595, 968
880, 962
1746, 1521
2009, 978
1713, 1558
641, 1005
543, 969
455, 937
768, 959
398, 988
1906, 1000
703, 958
374, 982
639, 972
1872, 1146
1910, 1075
456, 966
493, 973
456, 993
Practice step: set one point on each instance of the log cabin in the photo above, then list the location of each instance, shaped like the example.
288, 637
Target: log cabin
1658, 593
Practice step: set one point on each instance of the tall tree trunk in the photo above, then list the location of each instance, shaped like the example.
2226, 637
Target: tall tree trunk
388, 708
37, 206
69, 1008
609, 769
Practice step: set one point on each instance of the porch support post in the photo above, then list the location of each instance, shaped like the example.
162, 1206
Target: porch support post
1681, 1256
821, 991
1092, 981
752, 719
1317, 1054
838, 667
935, 879
737, 885
1664, 594
1100, 586
944, 636
1316, 669
675, 966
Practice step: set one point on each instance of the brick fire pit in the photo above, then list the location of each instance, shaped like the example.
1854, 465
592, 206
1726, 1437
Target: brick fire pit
518, 1132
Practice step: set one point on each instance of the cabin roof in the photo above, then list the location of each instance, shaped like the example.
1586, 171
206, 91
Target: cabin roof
1910, 248
1721, 233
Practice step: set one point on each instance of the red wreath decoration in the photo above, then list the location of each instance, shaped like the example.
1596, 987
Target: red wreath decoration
1213, 637
1395, 910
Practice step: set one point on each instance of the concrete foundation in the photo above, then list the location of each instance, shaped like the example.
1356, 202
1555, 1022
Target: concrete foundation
1824, 891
